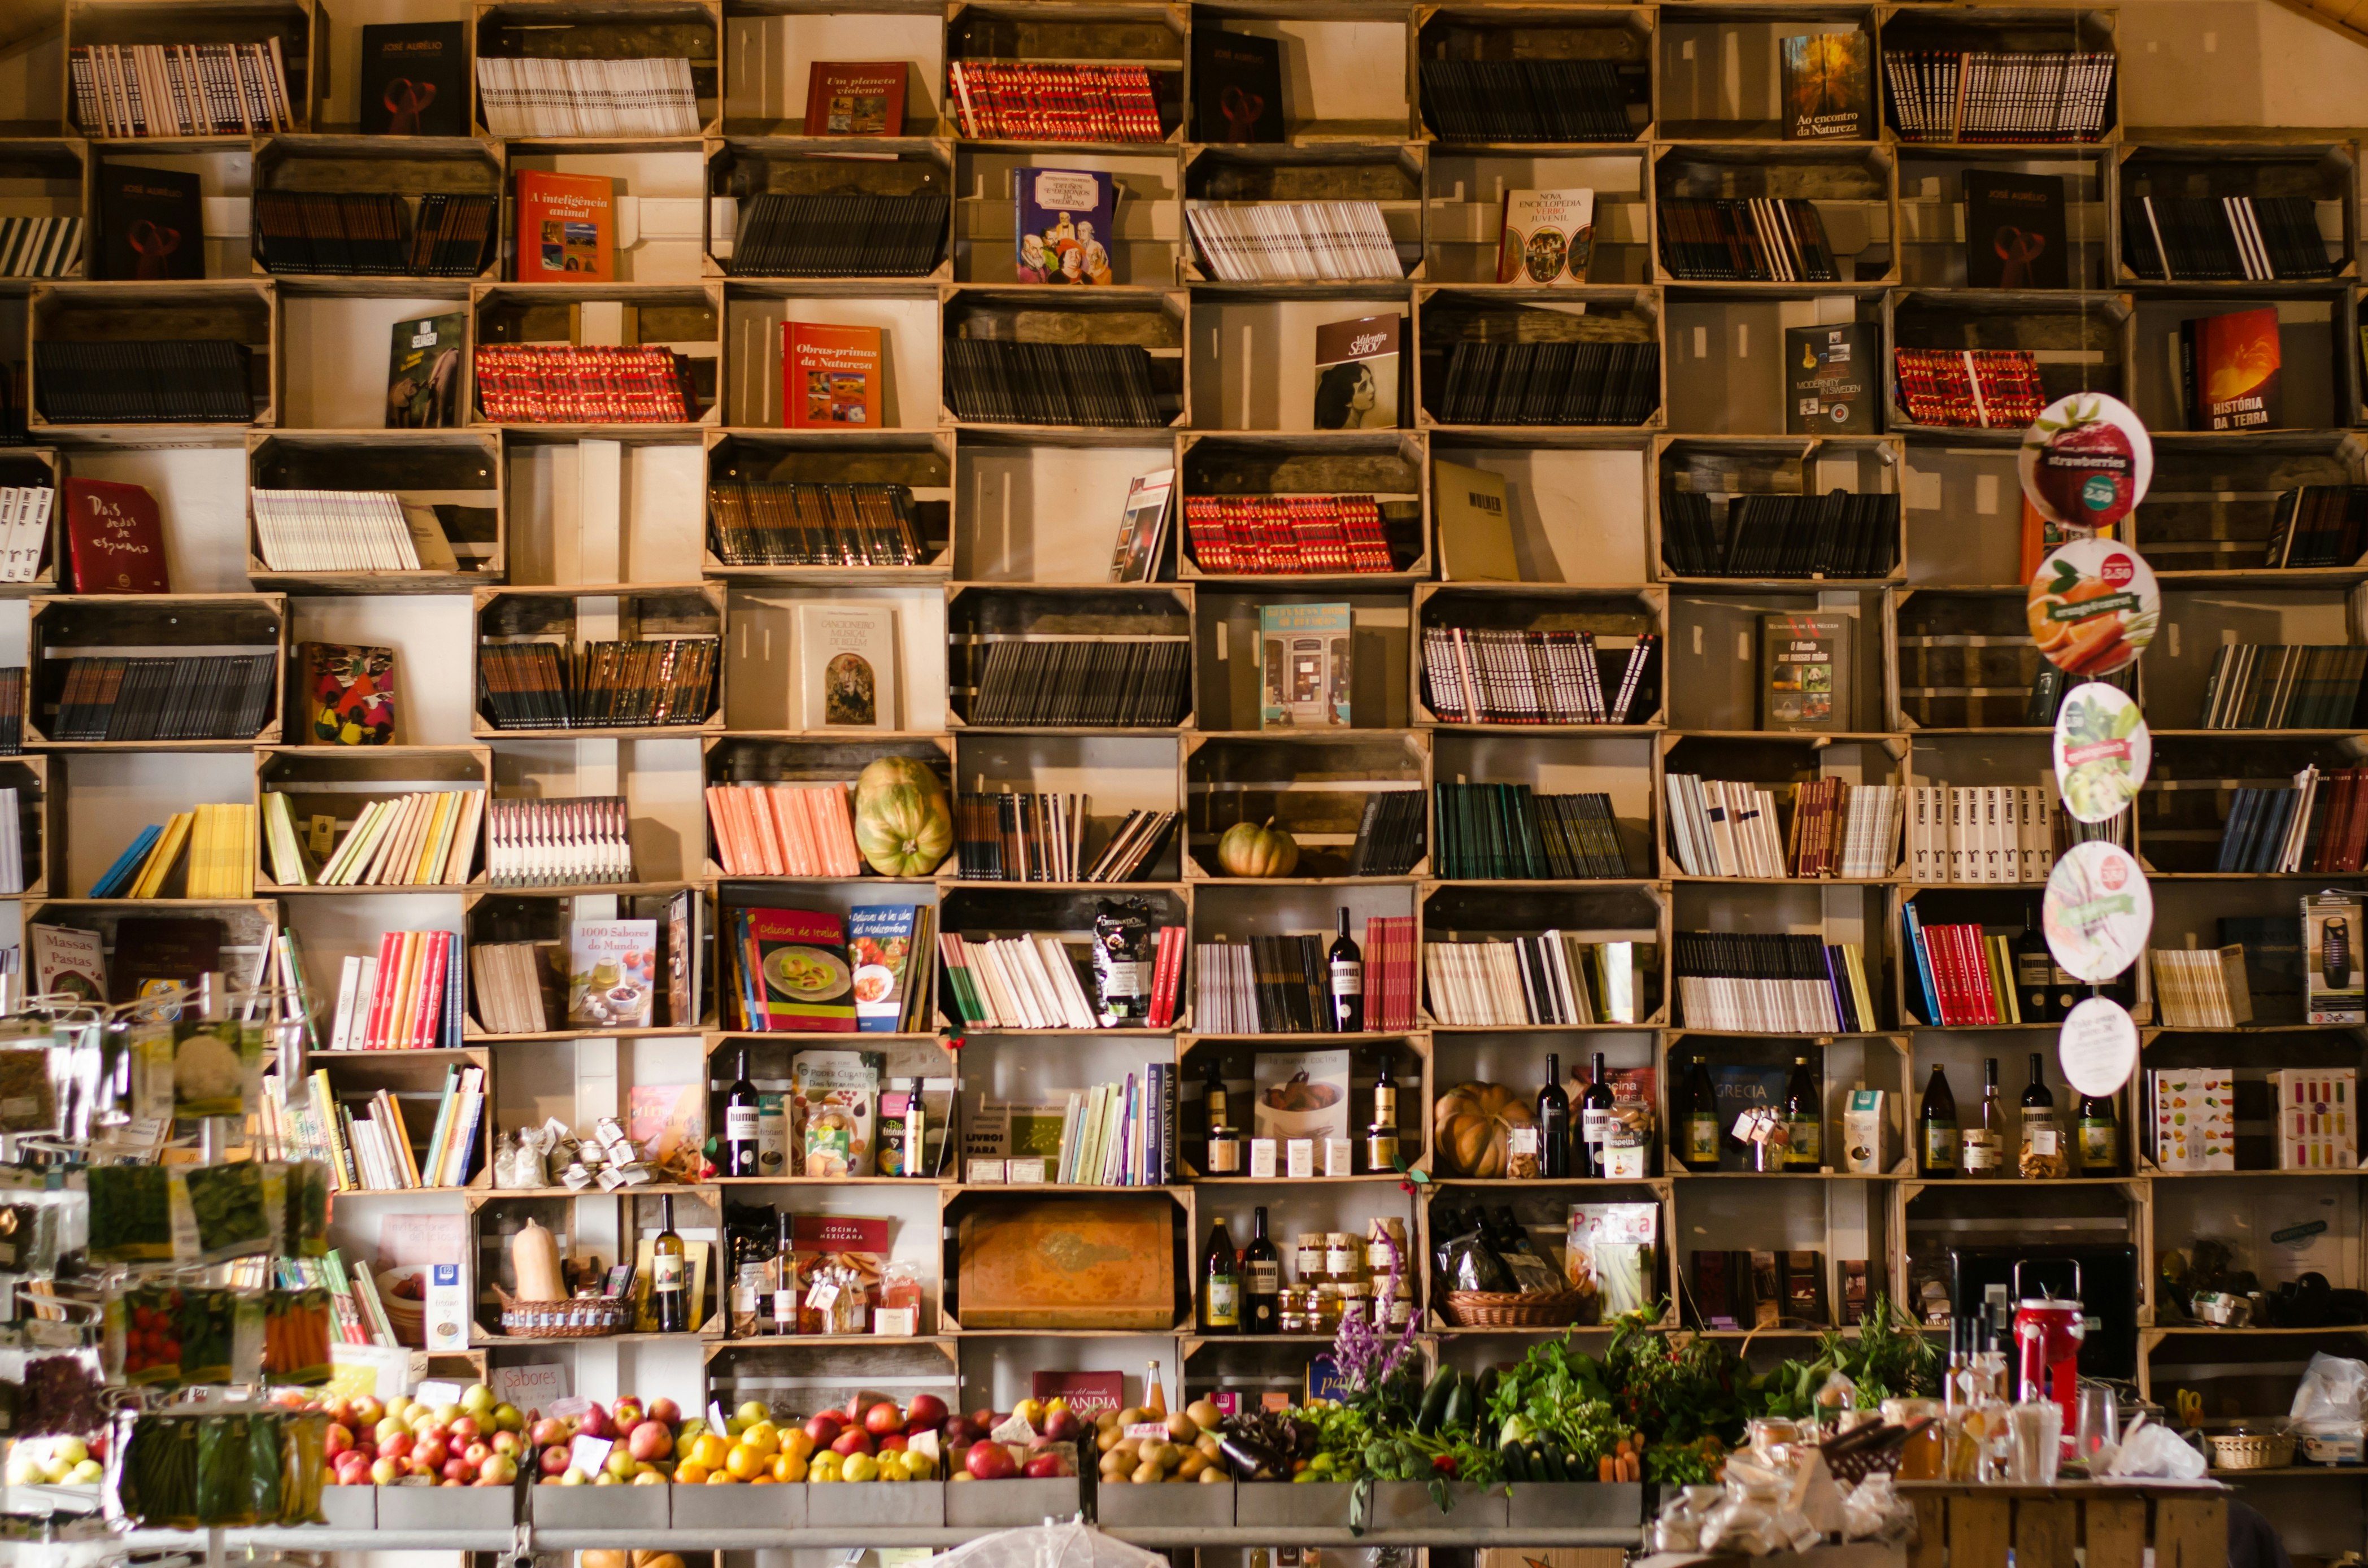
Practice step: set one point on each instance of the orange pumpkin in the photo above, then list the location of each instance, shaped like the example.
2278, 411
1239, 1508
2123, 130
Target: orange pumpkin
1471, 1126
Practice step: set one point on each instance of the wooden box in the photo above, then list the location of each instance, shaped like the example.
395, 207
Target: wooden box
1063, 1263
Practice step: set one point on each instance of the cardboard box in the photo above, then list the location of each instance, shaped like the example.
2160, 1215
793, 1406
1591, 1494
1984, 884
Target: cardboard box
1866, 1133
2195, 1118
2334, 962
2319, 1128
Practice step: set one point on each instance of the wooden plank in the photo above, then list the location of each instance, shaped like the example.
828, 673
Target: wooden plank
2191, 1532
1980, 1530
2044, 1532
2114, 1529
1930, 1550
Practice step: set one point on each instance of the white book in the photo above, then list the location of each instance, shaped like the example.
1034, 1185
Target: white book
844, 662
341, 1032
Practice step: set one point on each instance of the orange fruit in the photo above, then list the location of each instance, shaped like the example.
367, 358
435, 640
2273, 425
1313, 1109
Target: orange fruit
743, 1462
690, 1472
788, 1466
708, 1451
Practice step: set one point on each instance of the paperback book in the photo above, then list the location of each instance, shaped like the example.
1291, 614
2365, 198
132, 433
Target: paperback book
2229, 371
423, 376
1236, 86
150, 227
567, 228
846, 664
1143, 527
1548, 236
612, 974
1804, 672
1357, 373
414, 81
1304, 660
1830, 375
855, 98
2014, 231
349, 693
830, 376
1064, 225
114, 539
1828, 79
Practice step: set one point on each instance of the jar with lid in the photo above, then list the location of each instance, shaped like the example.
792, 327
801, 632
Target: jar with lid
1327, 1307
1400, 1309
1291, 1310
1344, 1257
1354, 1299
1385, 1246
1225, 1149
1308, 1261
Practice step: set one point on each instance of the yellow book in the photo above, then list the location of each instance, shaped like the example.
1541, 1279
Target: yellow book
359, 841
400, 1134
435, 843
160, 861
201, 825
464, 858
243, 866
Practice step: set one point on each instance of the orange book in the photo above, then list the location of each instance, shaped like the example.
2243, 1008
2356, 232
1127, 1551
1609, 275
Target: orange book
764, 831
859, 98
830, 376
567, 228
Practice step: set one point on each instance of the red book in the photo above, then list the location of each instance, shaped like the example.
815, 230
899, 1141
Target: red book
114, 539
381, 979
861, 97
830, 376
566, 230
430, 1002
803, 978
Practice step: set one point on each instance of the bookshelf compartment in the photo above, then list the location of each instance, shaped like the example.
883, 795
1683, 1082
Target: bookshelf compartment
1153, 321
1252, 175
40, 822
2264, 1050
1316, 787
242, 311
1850, 185
459, 472
300, 27
687, 320
410, 166
1390, 468
244, 927
1723, 469
2014, 30
1494, 33
1634, 913
1568, 500
1750, 1072
1254, 368
1961, 658
1717, 670
1445, 319
2081, 343
1345, 78
1147, 237
1292, 678
49, 178
1730, 364
356, 1077
1933, 215
1621, 770
338, 782
750, 758
2319, 354
1028, 510
564, 614
922, 462
2325, 174
139, 626
2198, 621
543, 919
1932, 1220
745, 167
1617, 618
657, 216
2211, 507
2187, 804
1779, 764
1464, 221
758, 383
978, 618
1117, 775
1092, 1212
1721, 73
609, 29
775, 44
1122, 32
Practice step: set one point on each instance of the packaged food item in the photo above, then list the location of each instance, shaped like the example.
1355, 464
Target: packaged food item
844, 1252
217, 1067
834, 1095
1124, 939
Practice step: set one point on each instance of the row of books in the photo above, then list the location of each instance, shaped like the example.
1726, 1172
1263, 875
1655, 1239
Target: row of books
1393, 976
1974, 389
2214, 239
2283, 685
1958, 976
1837, 535
1120, 1134
133, 382
405, 997
539, 383
1723, 828
179, 89
1030, 837
1761, 239
39, 247
793, 971
1532, 100
371, 234
845, 235
577, 96
1082, 683
991, 382
11, 709
557, 843
1037, 981
1282, 535
1551, 979
1287, 242
648, 682
361, 1316
782, 830
428, 838
1947, 94
1268, 985
1594, 382
1015, 101
2318, 525
793, 523
205, 697
376, 1154
1478, 676
24, 530
1508, 832
506, 980
217, 842
2201, 988
333, 531
1390, 834
1982, 832
1782, 983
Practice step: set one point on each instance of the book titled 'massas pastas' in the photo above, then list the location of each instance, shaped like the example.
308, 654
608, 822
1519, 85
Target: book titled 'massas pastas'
830, 376
567, 228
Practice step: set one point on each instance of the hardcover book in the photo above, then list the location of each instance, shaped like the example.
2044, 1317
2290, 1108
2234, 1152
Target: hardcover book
567, 228
422, 373
2014, 231
68, 962
612, 974
855, 98
799, 958
1304, 665
1357, 373
1804, 672
349, 693
114, 539
156, 956
1236, 87
1830, 378
846, 662
686, 914
1828, 83
2229, 371
1475, 531
151, 226
1548, 236
1063, 225
1143, 527
830, 376
412, 82
880, 945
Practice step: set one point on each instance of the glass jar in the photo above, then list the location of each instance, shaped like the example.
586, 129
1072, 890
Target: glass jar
1354, 1299
1327, 1307
1344, 1257
1225, 1151
1385, 1246
1401, 1308
1309, 1263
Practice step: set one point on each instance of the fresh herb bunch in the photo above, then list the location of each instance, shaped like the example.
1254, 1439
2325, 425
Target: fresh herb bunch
1675, 1391
1889, 1359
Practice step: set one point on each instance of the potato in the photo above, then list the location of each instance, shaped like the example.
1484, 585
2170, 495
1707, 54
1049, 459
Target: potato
1148, 1471
1214, 1475
1208, 1447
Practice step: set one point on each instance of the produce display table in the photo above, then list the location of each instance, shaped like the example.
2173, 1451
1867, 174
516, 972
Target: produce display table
1963, 1527
328, 1539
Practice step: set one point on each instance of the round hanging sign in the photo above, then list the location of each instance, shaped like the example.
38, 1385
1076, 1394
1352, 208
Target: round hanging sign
2098, 1048
2093, 607
2086, 461
2102, 749
2098, 911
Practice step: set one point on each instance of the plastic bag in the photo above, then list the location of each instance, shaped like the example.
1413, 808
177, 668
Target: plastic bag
2330, 1389
225, 1453
2152, 1449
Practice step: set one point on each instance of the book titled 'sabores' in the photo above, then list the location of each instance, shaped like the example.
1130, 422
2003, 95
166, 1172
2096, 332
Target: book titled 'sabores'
412, 81
114, 539
855, 98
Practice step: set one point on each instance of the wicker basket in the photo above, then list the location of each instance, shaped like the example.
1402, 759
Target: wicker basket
580, 1318
1497, 1309
2251, 1450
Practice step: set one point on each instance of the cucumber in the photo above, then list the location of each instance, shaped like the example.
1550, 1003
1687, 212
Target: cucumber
1435, 1402
1515, 1465
1555, 1469
1457, 1411
1535, 1458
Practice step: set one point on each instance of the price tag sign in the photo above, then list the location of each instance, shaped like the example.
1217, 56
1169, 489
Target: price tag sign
438, 1390
2098, 1047
588, 1454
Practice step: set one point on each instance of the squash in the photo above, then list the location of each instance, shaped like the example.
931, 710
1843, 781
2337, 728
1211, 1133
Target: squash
1470, 1129
1255, 850
903, 823
534, 1258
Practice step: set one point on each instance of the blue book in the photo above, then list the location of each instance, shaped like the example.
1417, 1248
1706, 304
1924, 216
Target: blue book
127, 865
1923, 992
879, 953
1063, 225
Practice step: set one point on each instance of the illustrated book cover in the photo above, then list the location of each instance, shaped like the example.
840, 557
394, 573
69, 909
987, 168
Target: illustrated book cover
1357, 373
1304, 665
1829, 82
1830, 379
846, 662
150, 224
1548, 236
1064, 223
830, 376
348, 693
855, 98
1804, 672
414, 81
423, 372
567, 228
2014, 231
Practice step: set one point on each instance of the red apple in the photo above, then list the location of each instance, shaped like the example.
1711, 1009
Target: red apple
548, 1431
1061, 1425
892, 1441
926, 1414
507, 1444
627, 1409
990, 1461
983, 1420
432, 1432
351, 1470
477, 1454
553, 1461
397, 1445
459, 1468
666, 1410
340, 1411
1045, 1465
622, 1424
883, 1418
824, 1428
369, 1411
431, 1452
465, 1430
960, 1429
595, 1423
854, 1440
650, 1441
339, 1440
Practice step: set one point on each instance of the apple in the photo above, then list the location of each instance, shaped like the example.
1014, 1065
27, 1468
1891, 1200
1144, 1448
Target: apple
476, 1454
510, 1418
926, 1414
650, 1441
384, 1470
1044, 1466
854, 1440
449, 1412
627, 1409
666, 1410
960, 1429
339, 1410
1061, 1425
498, 1470
465, 1430
339, 1440
752, 1411
349, 1469
620, 1463
596, 1422
388, 1429
824, 1428
985, 1420
647, 1476
553, 1461
548, 1431
893, 1442
433, 1431
507, 1444
477, 1399
624, 1423
369, 1411
883, 1418
990, 1461
431, 1452
458, 1469
574, 1477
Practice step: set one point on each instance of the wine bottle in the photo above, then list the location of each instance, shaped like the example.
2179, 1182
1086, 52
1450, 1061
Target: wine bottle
741, 1141
2034, 973
1805, 1120
1381, 1136
1595, 1120
2101, 1136
1215, 1110
1261, 1280
1698, 1120
1347, 990
1221, 1286
1554, 1122
670, 1284
2043, 1153
1983, 1140
1936, 1159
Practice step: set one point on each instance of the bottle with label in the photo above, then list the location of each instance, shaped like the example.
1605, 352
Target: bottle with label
1346, 990
785, 1278
1936, 1154
917, 1133
1381, 1136
2101, 1136
669, 1283
1261, 1280
2035, 973
1155, 1392
1554, 1122
1805, 1120
1226, 1147
742, 1136
1595, 1118
2044, 1149
1221, 1286
1215, 1107
1983, 1140
1699, 1128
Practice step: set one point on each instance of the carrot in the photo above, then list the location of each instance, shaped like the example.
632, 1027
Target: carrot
1607, 1468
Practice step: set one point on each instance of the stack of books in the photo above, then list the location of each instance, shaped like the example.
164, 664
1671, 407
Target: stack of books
1120, 1134
1737, 983
1721, 828
530, 97
2318, 525
1947, 94
649, 683
1507, 832
1985, 833
1023, 836
794, 524
2202, 988
428, 838
333, 531
846, 234
39, 247
11, 709
1595, 382
1959, 977
1391, 985
2224, 239
561, 843
1837, 535
224, 697
407, 996
1290, 241
179, 89
1280, 535
1036, 982
782, 830
1473, 675
508, 981
991, 382
1532, 100
1970, 389
1390, 837
24, 530
541, 383
1083, 683
370, 234
1752, 240
218, 841
1014, 101
1552, 979
120, 382
2283, 686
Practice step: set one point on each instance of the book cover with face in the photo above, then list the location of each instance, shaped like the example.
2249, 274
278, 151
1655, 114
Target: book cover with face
1064, 225
1357, 373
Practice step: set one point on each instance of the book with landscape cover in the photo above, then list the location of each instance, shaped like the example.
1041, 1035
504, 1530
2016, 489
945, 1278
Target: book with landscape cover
1804, 672
799, 958
1357, 373
348, 693
414, 81
1064, 223
423, 372
155, 955
1304, 665
1143, 527
1831, 375
830, 376
2229, 371
1828, 81
150, 225
845, 664
2014, 231
567, 228
1548, 236
114, 539
855, 98
1236, 87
